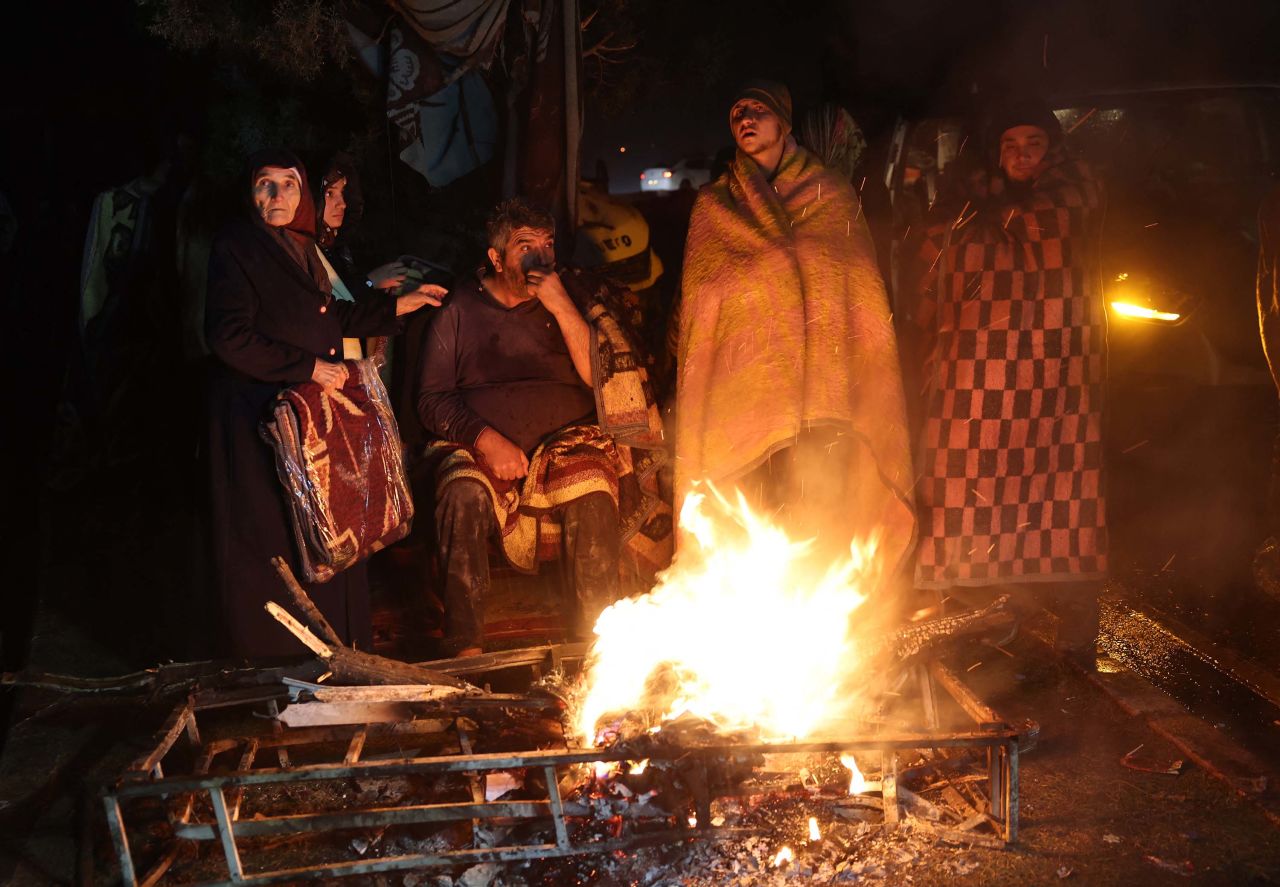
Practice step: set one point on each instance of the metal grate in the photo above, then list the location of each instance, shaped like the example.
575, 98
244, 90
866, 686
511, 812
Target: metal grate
186, 793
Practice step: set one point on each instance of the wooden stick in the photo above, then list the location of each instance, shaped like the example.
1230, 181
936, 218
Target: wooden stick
356, 667
298, 630
305, 605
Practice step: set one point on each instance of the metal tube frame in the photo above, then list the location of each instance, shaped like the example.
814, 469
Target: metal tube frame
145, 779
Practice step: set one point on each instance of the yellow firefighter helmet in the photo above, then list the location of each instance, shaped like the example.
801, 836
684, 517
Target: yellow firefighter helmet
613, 240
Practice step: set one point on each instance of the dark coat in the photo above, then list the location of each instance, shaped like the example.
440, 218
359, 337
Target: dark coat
267, 321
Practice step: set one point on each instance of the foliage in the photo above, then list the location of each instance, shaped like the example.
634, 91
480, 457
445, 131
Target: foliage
679, 52
297, 38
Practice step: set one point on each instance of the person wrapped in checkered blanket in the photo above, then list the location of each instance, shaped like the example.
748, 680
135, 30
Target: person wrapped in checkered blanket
1012, 326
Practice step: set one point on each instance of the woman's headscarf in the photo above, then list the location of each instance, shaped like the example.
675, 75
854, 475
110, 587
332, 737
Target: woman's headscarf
342, 166
304, 219
298, 238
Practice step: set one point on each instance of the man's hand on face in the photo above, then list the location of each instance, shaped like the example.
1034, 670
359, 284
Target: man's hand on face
544, 284
505, 459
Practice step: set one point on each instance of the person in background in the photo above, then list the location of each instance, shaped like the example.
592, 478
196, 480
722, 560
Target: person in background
612, 241
272, 321
341, 206
130, 319
1011, 323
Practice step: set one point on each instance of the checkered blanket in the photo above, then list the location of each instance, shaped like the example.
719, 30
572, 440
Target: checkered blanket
339, 458
1011, 485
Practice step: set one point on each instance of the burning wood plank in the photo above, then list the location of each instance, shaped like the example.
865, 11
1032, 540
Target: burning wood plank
924, 638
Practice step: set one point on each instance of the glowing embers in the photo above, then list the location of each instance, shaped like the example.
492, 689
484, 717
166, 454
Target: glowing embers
746, 631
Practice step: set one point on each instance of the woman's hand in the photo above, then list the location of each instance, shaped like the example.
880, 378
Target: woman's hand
504, 458
388, 276
427, 294
330, 375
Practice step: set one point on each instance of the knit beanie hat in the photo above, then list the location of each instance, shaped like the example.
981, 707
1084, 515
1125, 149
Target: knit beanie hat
1022, 112
773, 95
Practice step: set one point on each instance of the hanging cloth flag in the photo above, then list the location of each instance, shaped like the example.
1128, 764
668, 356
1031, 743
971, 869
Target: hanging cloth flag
457, 131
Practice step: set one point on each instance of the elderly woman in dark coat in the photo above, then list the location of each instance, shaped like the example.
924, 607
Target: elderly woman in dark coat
271, 321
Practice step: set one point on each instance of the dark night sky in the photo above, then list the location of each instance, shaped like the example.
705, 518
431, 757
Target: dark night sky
881, 56
81, 87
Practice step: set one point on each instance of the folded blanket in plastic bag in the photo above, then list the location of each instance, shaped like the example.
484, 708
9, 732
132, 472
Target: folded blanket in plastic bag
339, 457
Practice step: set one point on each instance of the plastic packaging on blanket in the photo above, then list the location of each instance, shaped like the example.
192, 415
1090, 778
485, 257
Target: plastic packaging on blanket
339, 456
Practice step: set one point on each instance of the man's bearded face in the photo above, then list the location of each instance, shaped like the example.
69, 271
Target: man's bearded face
755, 127
1022, 152
527, 248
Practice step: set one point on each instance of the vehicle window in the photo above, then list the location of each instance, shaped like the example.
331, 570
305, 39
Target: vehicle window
1268, 110
1168, 148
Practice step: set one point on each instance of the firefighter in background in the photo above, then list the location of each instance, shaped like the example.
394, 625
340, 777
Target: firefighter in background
612, 240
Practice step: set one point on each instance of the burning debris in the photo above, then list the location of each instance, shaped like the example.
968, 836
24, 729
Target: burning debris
744, 630
747, 715
750, 630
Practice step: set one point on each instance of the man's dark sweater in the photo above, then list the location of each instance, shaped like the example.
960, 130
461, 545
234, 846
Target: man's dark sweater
486, 365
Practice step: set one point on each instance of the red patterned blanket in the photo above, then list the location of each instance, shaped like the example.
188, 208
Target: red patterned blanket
575, 461
339, 457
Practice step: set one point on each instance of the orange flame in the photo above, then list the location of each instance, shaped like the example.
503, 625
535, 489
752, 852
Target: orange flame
783, 856
743, 631
857, 783
814, 833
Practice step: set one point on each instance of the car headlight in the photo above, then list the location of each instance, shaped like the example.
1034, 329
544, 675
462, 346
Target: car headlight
1142, 312
1145, 300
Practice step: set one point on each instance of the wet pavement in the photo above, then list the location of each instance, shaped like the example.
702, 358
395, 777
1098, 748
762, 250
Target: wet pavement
1188, 509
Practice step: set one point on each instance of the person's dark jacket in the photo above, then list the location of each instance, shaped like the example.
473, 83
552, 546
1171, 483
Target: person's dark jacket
267, 320
266, 317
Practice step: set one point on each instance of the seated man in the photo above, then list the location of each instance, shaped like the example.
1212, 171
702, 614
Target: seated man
507, 382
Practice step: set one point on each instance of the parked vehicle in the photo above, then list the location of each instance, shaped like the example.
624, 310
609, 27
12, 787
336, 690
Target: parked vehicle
688, 172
